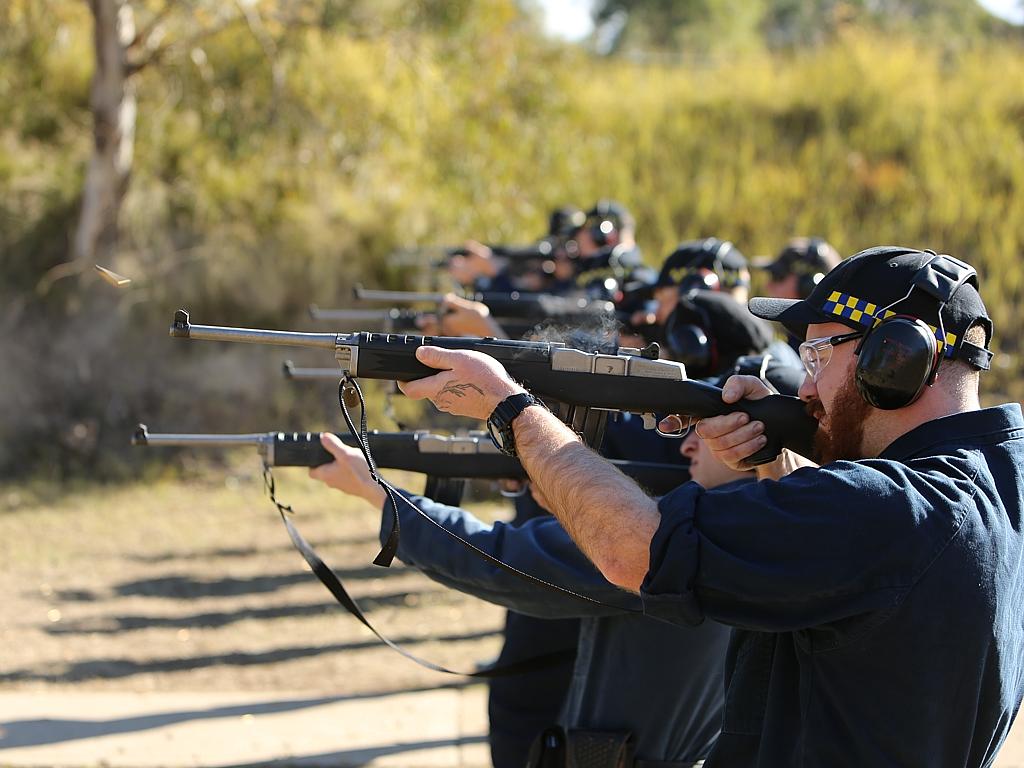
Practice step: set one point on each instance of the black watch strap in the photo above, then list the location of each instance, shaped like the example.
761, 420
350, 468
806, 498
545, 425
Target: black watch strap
499, 424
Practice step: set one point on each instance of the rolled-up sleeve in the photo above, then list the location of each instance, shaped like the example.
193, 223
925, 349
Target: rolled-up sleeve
668, 592
820, 545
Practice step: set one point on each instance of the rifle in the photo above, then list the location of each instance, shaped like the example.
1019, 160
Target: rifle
629, 380
440, 457
519, 305
386, 319
391, 320
516, 255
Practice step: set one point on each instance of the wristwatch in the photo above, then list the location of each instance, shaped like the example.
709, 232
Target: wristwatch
499, 423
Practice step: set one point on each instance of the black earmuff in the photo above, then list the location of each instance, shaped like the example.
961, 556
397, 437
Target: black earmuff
808, 280
604, 223
896, 360
900, 356
690, 343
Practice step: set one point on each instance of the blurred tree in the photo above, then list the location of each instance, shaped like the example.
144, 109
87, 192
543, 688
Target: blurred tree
122, 49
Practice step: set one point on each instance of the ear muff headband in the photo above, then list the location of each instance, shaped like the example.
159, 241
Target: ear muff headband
899, 355
729, 278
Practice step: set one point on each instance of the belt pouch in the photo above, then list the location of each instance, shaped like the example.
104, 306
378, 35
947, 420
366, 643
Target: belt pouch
600, 749
548, 749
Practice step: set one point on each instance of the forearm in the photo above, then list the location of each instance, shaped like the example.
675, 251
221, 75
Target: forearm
607, 514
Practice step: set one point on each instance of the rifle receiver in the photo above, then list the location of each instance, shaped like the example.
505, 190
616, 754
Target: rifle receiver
140, 436
180, 327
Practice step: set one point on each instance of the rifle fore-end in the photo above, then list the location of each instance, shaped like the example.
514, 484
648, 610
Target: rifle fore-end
472, 456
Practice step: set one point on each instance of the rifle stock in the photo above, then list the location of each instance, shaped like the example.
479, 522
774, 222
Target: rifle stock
628, 380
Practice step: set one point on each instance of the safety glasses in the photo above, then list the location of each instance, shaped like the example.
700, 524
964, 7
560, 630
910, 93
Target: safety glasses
815, 353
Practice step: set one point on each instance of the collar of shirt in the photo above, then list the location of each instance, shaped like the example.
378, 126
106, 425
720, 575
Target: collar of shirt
961, 428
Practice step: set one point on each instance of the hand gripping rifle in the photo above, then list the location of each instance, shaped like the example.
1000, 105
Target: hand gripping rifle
446, 460
628, 380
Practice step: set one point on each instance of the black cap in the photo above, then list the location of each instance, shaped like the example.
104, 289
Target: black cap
719, 256
887, 280
565, 221
801, 256
613, 212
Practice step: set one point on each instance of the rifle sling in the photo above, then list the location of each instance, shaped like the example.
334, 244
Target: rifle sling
385, 557
334, 585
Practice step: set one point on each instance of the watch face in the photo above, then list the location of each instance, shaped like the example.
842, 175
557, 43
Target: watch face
497, 436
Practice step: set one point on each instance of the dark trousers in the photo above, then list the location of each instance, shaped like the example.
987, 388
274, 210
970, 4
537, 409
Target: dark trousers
521, 706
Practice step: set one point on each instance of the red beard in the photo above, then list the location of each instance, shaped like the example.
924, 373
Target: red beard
840, 434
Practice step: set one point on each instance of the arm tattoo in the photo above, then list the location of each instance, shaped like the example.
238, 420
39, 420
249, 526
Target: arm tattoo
459, 390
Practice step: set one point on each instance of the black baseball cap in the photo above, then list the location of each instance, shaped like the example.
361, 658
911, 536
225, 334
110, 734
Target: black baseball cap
880, 282
611, 211
719, 256
565, 221
800, 256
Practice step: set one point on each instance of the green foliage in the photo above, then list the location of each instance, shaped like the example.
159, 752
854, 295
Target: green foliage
271, 172
701, 28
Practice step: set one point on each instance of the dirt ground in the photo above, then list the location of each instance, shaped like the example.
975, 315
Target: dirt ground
194, 586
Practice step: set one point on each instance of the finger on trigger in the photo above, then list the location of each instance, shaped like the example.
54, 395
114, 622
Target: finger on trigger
671, 424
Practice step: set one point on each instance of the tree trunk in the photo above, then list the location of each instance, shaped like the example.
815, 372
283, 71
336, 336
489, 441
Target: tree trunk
114, 108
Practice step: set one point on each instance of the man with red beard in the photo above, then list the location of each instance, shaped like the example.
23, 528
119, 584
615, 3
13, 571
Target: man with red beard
878, 597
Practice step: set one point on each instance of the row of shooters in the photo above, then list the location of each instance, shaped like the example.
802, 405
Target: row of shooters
590, 268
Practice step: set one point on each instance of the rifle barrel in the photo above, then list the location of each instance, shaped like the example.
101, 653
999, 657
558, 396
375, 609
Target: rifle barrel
369, 294
182, 328
142, 436
350, 315
292, 371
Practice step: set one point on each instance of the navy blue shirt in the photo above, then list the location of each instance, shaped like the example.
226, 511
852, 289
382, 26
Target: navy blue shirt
662, 682
883, 598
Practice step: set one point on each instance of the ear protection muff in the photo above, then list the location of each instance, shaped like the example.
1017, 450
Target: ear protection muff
689, 343
728, 278
895, 362
900, 355
808, 280
604, 223
700, 279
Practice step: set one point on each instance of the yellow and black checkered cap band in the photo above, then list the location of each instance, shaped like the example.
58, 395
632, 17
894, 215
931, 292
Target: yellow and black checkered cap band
867, 314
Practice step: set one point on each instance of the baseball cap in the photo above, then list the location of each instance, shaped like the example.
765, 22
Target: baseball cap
719, 256
800, 256
880, 282
611, 211
564, 221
